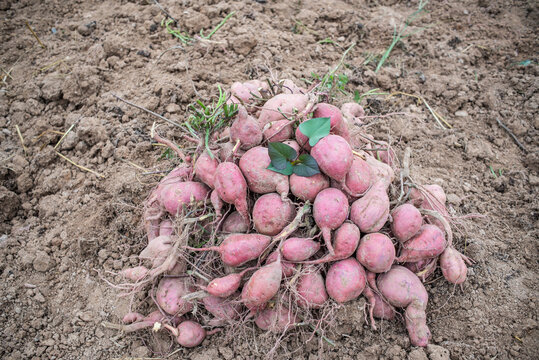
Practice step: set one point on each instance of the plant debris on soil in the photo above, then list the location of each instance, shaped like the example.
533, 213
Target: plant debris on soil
77, 163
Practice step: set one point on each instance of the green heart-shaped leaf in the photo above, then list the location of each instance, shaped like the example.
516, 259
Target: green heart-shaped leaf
315, 129
281, 155
288, 169
306, 166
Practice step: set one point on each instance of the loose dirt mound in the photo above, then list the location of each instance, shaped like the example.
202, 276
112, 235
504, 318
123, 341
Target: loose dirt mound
474, 63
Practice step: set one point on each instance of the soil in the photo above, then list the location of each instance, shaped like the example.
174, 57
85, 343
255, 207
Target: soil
64, 229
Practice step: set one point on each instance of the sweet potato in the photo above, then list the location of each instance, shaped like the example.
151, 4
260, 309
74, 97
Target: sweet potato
177, 195
205, 168
311, 289
276, 320
278, 131
288, 268
224, 310
338, 125
345, 244
190, 334
229, 153
380, 171
453, 266
246, 130
371, 212
132, 317
262, 286
293, 144
378, 307
428, 243
422, 268
288, 87
376, 252
166, 228
334, 156
135, 274
299, 249
306, 188
169, 296
330, 210
359, 179
278, 105
430, 197
237, 249
260, 180
157, 250
345, 280
247, 93
231, 187
235, 223
271, 214
353, 112
402, 288
406, 222
227, 285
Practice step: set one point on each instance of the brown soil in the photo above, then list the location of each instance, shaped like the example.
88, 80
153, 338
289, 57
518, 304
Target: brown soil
60, 225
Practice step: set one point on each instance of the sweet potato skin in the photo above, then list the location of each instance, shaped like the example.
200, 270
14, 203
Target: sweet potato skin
191, 334
176, 195
453, 266
334, 156
231, 187
371, 212
376, 252
237, 249
311, 289
428, 243
345, 280
330, 210
402, 288
276, 320
299, 249
359, 178
246, 130
271, 214
306, 188
406, 222
262, 286
278, 131
286, 103
235, 223
254, 164
169, 296
205, 168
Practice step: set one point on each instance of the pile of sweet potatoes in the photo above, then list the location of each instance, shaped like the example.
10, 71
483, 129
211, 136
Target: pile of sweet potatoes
279, 246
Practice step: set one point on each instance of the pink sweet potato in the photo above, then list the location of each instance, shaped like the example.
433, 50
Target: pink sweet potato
371, 212
380, 171
246, 130
157, 250
205, 168
378, 307
453, 266
177, 195
293, 144
353, 112
169, 296
166, 228
334, 156
299, 249
345, 280
422, 268
278, 105
231, 187
254, 164
311, 289
276, 320
330, 210
359, 179
428, 243
135, 274
278, 131
306, 188
262, 286
344, 244
376, 252
430, 197
288, 87
190, 334
227, 285
237, 249
235, 223
406, 222
402, 288
224, 310
132, 317
338, 125
271, 214
288, 268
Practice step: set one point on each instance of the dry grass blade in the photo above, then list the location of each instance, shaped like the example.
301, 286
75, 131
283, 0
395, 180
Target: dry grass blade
35, 35
21, 138
80, 166
439, 118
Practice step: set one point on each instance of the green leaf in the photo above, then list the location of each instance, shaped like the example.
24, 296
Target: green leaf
281, 154
306, 166
288, 169
315, 129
